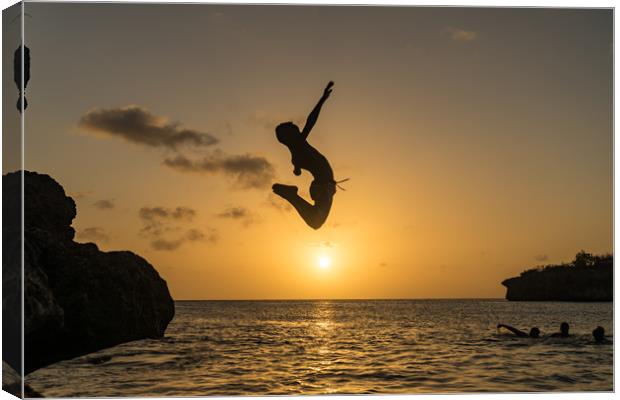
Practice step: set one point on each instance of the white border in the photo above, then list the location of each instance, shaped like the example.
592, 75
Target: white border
470, 3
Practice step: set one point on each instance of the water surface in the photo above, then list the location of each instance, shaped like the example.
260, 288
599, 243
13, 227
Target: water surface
329, 347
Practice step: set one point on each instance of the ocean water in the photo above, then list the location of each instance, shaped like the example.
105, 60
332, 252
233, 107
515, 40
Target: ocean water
333, 347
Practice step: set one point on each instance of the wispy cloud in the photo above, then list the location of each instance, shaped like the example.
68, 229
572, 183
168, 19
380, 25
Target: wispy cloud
166, 245
234, 213
247, 170
104, 204
179, 213
81, 195
162, 226
138, 125
541, 257
196, 235
192, 235
93, 234
184, 150
238, 213
159, 220
461, 35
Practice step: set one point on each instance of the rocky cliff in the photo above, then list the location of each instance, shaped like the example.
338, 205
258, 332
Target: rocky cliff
78, 299
588, 278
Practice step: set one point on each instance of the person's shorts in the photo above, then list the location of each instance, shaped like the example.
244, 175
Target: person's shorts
322, 190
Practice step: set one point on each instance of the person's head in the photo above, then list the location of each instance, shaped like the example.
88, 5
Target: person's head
564, 328
534, 332
286, 132
599, 333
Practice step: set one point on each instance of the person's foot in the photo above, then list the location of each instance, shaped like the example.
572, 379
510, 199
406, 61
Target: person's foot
285, 191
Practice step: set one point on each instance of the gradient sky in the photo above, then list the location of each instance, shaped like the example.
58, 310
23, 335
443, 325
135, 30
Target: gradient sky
478, 141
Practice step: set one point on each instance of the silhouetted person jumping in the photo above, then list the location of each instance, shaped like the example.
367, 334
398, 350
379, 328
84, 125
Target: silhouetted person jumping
304, 156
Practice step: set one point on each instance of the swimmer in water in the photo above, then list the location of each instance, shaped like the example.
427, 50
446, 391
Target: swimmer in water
599, 335
304, 156
534, 332
563, 333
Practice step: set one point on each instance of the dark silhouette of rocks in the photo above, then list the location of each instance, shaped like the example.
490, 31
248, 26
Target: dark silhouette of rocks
587, 278
78, 299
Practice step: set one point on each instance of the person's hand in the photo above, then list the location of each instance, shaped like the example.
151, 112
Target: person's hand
328, 90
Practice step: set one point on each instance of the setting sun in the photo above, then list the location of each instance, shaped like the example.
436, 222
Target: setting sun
324, 262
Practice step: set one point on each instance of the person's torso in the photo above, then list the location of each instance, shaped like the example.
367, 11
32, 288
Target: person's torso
304, 156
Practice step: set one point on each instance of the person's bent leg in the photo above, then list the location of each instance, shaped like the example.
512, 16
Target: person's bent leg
314, 215
323, 195
289, 193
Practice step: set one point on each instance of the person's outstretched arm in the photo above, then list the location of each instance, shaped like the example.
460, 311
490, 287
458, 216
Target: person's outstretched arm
314, 115
516, 331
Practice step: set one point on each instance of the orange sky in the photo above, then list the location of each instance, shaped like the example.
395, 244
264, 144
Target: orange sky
478, 141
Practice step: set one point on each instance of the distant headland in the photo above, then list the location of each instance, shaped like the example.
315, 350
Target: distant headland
587, 278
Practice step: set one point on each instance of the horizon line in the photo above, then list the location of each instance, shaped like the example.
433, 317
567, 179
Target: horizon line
353, 299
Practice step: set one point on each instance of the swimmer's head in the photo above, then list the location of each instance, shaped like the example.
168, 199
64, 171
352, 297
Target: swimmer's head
599, 334
564, 328
287, 132
534, 332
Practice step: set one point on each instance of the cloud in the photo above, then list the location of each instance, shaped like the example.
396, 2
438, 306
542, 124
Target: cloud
81, 195
196, 235
166, 245
184, 150
238, 213
234, 213
192, 235
179, 213
138, 125
104, 204
541, 257
93, 233
461, 35
158, 220
162, 226
248, 170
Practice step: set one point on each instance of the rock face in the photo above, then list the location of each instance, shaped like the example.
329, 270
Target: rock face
78, 299
593, 282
